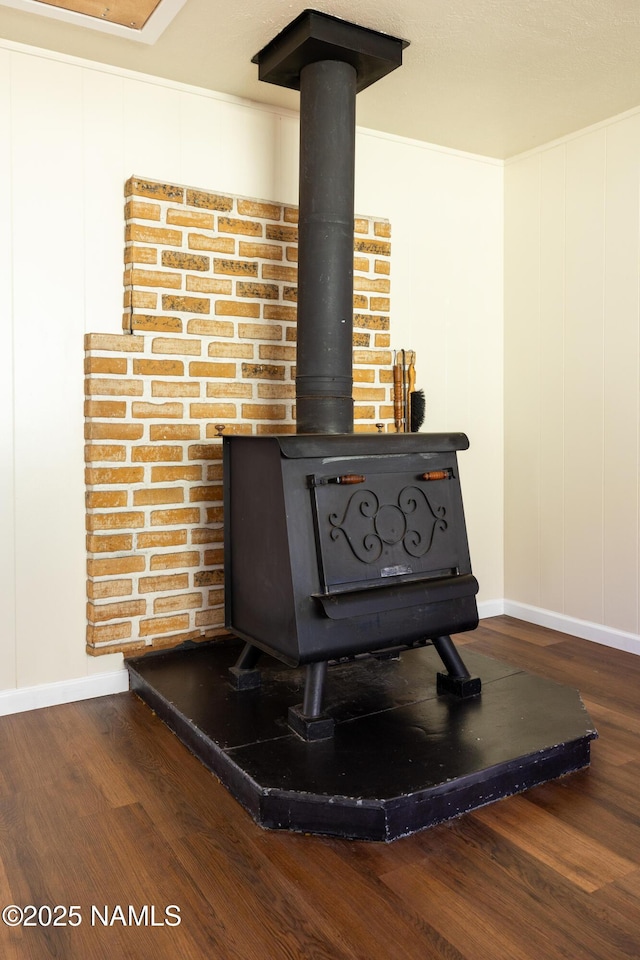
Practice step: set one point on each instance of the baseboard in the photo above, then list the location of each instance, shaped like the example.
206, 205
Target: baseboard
585, 629
64, 691
490, 608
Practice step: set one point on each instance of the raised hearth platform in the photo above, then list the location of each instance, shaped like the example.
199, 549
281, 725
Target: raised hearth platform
402, 757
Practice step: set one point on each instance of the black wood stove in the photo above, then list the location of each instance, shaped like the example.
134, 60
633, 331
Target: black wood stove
337, 545
342, 545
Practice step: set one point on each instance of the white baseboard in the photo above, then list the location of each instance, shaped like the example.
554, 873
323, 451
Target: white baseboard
584, 629
490, 608
64, 691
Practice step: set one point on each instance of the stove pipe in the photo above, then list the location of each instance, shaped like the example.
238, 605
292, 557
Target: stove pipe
329, 61
324, 381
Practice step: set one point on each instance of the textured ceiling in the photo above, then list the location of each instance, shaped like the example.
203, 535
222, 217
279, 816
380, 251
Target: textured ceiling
494, 77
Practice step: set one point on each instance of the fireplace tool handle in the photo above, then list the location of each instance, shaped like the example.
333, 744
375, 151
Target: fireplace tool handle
405, 393
398, 394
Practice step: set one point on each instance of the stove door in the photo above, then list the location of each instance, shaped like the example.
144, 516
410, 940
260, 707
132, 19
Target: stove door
376, 529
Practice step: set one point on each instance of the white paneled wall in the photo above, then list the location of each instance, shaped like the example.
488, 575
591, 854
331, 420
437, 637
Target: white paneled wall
70, 135
550, 373
7, 522
621, 378
572, 382
47, 248
583, 370
103, 166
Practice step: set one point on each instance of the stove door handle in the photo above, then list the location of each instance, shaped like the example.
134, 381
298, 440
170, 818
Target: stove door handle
445, 474
348, 478
345, 478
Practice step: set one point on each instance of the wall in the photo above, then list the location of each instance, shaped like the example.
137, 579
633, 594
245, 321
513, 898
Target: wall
71, 133
572, 382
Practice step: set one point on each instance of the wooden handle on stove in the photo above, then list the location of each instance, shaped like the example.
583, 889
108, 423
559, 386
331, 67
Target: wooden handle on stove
437, 474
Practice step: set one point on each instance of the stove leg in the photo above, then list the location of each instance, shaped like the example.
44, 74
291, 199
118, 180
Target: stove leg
457, 680
244, 675
307, 719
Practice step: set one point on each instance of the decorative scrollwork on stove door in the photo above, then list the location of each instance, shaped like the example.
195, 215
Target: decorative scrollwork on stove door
409, 524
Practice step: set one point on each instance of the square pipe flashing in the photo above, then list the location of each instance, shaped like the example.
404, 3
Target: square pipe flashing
315, 36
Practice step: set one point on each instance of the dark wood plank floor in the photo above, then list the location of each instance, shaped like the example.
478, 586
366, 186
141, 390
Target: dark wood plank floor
101, 806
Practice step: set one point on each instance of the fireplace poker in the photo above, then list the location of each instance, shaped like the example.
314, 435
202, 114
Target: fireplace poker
397, 393
405, 394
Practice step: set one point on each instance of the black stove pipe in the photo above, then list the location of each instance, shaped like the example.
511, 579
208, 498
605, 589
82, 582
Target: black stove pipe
329, 61
324, 377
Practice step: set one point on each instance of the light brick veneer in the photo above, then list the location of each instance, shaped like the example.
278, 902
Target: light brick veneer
210, 321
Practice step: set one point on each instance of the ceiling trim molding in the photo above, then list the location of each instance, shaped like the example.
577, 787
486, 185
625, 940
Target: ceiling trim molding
153, 28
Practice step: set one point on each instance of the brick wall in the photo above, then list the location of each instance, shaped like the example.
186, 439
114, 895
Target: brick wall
209, 342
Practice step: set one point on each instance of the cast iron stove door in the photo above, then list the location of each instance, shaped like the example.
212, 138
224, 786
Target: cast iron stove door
377, 529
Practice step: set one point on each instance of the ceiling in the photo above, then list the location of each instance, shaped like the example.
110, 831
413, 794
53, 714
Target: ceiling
494, 77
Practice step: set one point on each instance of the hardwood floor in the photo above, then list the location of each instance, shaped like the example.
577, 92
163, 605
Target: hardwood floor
101, 806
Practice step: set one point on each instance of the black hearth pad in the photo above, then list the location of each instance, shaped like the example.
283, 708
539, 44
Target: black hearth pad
402, 758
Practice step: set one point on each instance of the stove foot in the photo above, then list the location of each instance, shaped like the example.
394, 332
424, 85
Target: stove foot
462, 687
244, 675
308, 728
457, 681
308, 719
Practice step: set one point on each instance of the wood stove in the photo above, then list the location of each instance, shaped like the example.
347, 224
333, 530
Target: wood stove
336, 545
341, 545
